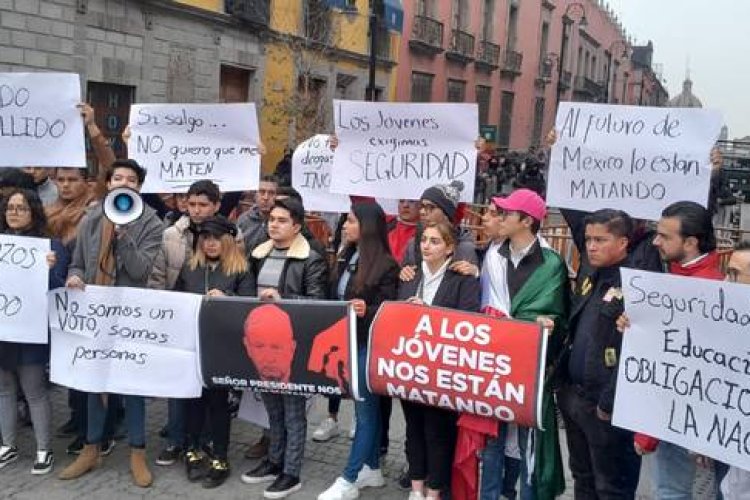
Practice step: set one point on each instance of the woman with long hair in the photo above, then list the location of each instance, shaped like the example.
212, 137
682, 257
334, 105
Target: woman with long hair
21, 214
431, 431
217, 268
366, 276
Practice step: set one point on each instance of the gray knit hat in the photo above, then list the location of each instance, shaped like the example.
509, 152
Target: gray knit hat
445, 196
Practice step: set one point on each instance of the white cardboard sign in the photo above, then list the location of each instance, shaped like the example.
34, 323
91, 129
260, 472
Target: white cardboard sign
397, 150
125, 341
40, 125
179, 144
633, 158
24, 276
684, 371
311, 176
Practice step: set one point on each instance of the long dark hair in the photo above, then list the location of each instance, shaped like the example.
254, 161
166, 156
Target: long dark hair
374, 252
38, 225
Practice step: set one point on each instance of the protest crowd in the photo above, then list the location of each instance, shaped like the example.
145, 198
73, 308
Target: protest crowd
266, 245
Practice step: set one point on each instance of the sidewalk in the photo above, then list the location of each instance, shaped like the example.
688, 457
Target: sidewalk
323, 463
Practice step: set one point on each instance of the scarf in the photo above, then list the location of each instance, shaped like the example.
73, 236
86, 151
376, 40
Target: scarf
63, 218
105, 261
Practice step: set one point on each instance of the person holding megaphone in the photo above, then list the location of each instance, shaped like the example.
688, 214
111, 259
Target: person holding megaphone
116, 245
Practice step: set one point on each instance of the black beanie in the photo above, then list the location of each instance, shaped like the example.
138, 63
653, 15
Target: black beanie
446, 197
217, 225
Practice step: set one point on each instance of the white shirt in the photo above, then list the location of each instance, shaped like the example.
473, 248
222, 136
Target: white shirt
431, 282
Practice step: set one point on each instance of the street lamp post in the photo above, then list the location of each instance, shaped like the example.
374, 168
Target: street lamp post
577, 10
620, 46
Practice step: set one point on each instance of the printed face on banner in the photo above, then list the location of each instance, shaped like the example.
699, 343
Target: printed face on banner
632, 158
39, 122
23, 287
398, 150
291, 347
179, 144
684, 367
125, 341
464, 362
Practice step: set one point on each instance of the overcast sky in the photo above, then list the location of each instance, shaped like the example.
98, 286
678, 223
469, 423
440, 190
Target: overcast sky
713, 35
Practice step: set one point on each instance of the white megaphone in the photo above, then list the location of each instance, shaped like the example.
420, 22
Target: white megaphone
123, 206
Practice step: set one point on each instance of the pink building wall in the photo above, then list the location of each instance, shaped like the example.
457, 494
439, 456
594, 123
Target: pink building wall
527, 86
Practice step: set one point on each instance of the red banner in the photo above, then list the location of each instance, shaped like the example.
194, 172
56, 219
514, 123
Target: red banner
470, 363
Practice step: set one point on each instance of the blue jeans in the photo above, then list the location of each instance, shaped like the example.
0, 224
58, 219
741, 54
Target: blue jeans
365, 448
499, 473
674, 472
135, 419
176, 422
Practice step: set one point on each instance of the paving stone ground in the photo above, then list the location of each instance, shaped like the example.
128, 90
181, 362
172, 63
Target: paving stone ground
323, 463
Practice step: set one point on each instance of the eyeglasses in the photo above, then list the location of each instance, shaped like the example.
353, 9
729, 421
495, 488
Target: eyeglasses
427, 207
19, 209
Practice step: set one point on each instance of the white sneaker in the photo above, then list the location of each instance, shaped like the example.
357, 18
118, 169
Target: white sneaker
369, 478
416, 495
327, 429
340, 490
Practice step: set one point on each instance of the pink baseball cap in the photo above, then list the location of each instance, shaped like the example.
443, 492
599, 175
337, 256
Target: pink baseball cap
523, 200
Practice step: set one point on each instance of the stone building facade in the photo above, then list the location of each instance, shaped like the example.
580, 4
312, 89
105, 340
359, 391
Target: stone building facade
134, 51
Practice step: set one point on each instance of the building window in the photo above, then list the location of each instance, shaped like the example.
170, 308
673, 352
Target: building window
536, 135
506, 119
456, 91
460, 18
484, 94
488, 20
234, 84
512, 27
421, 87
317, 21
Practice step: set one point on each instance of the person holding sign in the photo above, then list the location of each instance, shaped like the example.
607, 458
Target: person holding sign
110, 255
525, 279
736, 481
686, 242
431, 431
366, 275
217, 268
286, 267
602, 458
23, 215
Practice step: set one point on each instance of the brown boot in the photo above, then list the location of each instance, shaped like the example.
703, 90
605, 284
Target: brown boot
87, 461
141, 475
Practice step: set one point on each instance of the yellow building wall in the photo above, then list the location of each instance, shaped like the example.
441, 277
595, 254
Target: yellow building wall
280, 79
212, 5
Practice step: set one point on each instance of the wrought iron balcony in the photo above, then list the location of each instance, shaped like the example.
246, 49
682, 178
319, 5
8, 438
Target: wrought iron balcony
512, 62
426, 35
461, 48
488, 56
256, 12
587, 87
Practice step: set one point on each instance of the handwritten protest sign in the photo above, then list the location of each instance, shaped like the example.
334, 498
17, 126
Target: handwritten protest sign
685, 364
39, 123
291, 347
125, 341
179, 144
632, 158
23, 289
397, 150
311, 175
465, 362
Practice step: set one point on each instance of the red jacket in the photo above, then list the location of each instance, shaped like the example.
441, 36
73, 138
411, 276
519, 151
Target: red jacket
707, 267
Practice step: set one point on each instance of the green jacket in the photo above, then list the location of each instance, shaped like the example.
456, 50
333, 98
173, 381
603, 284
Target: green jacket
545, 293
